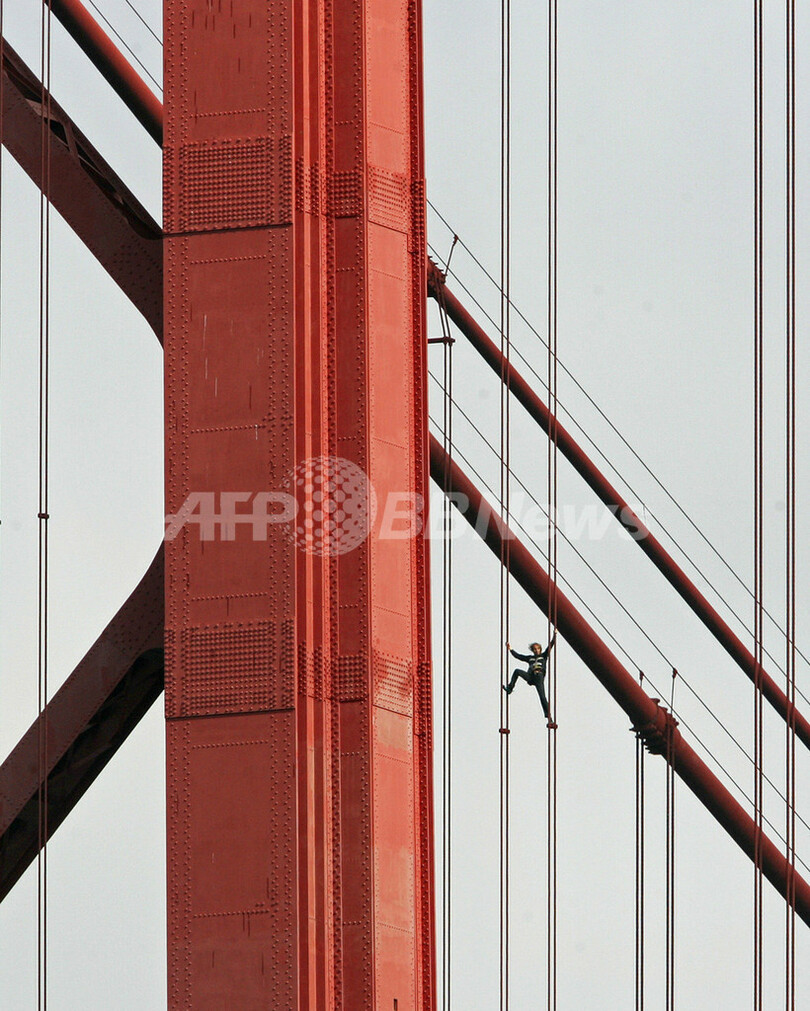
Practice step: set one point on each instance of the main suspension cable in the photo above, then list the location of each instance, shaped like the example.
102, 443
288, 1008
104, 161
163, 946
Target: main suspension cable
42, 511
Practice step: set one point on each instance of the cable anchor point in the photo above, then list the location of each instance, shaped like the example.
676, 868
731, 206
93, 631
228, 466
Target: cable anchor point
659, 732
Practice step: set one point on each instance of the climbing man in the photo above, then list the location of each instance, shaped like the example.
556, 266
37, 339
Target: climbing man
535, 675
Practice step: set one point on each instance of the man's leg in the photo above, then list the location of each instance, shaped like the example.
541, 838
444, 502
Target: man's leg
511, 686
541, 691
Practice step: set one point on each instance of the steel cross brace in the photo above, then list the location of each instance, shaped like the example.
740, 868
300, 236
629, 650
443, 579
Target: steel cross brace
96, 204
83, 726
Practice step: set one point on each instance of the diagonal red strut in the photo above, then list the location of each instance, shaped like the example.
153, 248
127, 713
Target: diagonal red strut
112, 64
83, 725
96, 204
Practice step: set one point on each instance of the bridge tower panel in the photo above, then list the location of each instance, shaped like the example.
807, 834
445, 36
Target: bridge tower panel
297, 682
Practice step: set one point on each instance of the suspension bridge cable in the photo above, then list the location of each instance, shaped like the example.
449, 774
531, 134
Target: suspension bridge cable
42, 512
790, 499
648, 513
447, 605
639, 876
758, 468
552, 455
619, 603
670, 856
631, 450
504, 486
623, 650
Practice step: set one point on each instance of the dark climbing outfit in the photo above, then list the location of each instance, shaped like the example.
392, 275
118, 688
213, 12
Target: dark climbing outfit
535, 675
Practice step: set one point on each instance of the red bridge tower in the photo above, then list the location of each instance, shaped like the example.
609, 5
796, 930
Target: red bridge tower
297, 681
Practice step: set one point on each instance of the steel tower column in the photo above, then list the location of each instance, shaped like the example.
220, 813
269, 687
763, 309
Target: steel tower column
297, 682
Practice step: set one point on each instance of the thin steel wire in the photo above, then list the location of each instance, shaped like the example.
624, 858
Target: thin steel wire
640, 885
670, 856
145, 23
126, 46
447, 642
42, 513
758, 476
790, 498
551, 364
504, 488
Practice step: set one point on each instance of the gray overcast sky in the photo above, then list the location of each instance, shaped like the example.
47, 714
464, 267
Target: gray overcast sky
655, 296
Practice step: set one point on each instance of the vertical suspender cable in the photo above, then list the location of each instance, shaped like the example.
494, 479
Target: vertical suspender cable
670, 857
42, 516
551, 925
447, 642
758, 493
505, 343
639, 956
790, 500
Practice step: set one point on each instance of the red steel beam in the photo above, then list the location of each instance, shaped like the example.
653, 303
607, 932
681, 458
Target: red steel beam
96, 204
656, 725
83, 725
617, 505
111, 63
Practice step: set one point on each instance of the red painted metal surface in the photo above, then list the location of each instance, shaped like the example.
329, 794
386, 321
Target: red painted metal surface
97, 205
83, 725
656, 725
297, 683
111, 64
621, 510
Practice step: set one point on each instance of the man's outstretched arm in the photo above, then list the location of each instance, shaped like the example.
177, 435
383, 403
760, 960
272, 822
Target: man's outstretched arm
519, 656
